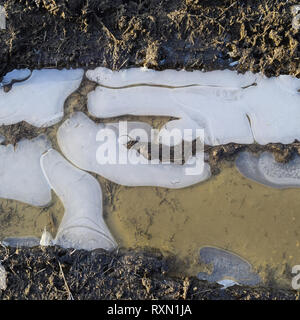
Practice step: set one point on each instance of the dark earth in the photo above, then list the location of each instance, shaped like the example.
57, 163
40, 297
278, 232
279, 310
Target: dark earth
245, 35
56, 273
160, 34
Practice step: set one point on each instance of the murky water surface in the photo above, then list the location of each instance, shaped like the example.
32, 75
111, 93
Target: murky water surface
18, 219
258, 223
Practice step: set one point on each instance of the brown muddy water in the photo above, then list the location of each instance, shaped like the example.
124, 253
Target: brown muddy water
258, 223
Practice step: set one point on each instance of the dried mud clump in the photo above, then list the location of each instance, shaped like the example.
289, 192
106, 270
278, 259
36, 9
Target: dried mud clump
245, 35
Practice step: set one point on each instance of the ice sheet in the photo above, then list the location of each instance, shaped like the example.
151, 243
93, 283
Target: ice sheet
40, 99
133, 76
82, 226
230, 107
77, 140
21, 177
265, 170
227, 265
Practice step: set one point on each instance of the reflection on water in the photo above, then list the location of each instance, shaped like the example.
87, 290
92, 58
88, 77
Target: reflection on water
258, 223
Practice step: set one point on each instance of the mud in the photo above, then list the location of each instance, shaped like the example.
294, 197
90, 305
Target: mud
228, 211
55, 273
205, 35
248, 35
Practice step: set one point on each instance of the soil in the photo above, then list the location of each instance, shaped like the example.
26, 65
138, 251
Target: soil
77, 101
218, 154
159, 34
245, 35
56, 273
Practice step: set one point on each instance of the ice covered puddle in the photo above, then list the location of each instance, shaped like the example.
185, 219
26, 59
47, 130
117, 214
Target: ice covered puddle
29, 170
227, 266
77, 138
230, 107
265, 170
39, 100
82, 226
21, 177
3, 276
16, 75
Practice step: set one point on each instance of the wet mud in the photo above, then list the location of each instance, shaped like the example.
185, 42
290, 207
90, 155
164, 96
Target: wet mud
239, 35
56, 273
242, 35
161, 218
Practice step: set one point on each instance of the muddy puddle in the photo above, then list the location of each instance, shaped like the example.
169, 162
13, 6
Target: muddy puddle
258, 223
18, 219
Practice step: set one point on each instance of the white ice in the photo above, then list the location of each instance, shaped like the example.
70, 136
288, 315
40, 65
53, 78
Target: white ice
173, 78
17, 74
19, 242
227, 283
40, 99
227, 266
82, 226
21, 177
46, 239
265, 170
3, 278
226, 104
77, 140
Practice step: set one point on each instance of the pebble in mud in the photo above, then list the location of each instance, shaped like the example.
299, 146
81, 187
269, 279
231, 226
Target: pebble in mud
265, 170
227, 265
